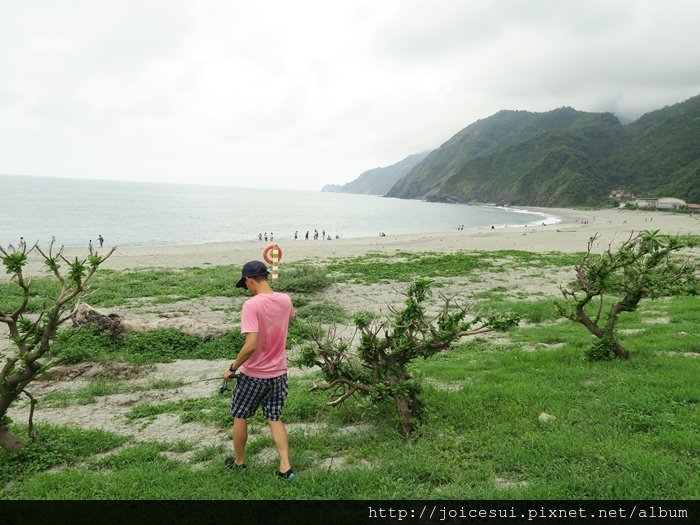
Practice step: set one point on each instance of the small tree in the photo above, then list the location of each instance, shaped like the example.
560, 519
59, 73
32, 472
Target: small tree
379, 368
645, 265
32, 339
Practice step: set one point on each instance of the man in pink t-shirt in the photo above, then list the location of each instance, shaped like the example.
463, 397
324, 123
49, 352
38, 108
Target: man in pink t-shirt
262, 361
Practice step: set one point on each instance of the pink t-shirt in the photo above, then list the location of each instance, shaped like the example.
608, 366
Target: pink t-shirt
269, 316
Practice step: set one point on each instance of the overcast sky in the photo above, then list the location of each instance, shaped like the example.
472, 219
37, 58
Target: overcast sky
298, 94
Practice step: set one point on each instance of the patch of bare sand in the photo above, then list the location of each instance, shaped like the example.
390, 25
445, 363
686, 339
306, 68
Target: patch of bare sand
107, 415
543, 346
5, 346
449, 386
657, 320
630, 331
95, 370
692, 355
508, 483
342, 463
69, 378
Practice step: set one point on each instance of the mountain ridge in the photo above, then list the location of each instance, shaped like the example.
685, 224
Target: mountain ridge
378, 181
563, 157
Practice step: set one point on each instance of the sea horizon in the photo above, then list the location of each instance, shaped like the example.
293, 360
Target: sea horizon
134, 213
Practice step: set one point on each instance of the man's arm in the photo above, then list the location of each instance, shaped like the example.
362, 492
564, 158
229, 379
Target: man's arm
251, 342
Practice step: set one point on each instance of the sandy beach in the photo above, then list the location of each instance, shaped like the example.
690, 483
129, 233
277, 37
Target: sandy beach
569, 235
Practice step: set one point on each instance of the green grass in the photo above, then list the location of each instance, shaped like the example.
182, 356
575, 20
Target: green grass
163, 345
56, 446
680, 334
323, 312
405, 267
100, 388
689, 239
621, 430
161, 286
211, 410
536, 311
84, 396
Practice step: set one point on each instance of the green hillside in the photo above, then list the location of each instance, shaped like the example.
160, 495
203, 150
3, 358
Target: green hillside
662, 155
563, 157
378, 181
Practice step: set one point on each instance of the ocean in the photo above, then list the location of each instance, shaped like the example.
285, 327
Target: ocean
76, 211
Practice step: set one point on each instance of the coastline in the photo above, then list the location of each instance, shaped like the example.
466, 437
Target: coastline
570, 234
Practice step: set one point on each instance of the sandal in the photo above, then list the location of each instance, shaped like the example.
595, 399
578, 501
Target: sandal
286, 475
231, 463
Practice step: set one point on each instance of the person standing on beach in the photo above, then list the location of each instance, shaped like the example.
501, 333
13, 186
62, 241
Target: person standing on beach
101, 240
262, 361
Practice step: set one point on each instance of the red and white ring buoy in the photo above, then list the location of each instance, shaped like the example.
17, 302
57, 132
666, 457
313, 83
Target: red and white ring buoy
267, 250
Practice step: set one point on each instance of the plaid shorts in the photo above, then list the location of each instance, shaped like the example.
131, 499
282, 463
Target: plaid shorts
251, 392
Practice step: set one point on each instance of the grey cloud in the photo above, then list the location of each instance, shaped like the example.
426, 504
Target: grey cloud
428, 30
600, 54
165, 89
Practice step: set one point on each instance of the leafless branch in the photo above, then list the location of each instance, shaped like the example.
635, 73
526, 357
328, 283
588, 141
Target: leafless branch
348, 388
32, 403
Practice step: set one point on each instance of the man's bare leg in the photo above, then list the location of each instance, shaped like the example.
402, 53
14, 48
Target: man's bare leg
279, 436
240, 438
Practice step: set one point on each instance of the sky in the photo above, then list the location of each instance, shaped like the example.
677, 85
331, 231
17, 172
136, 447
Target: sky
298, 94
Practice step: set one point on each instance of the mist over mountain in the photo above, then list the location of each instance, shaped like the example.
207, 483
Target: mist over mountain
378, 181
562, 157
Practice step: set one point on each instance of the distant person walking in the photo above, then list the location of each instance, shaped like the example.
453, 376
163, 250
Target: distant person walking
262, 361
22, 245
306, 237
101, 240
90, 246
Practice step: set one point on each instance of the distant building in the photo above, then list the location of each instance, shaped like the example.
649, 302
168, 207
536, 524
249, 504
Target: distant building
646, 202
694, 207
670, 203
621, 194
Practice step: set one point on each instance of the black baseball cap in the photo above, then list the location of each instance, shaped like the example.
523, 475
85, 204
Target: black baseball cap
252, 269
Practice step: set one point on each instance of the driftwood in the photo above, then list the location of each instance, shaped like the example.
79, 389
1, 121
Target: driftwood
110, 324
116, 325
